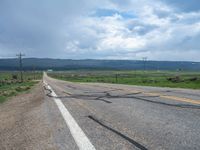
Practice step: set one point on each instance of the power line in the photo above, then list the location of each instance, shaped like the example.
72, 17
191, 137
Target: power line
20, 55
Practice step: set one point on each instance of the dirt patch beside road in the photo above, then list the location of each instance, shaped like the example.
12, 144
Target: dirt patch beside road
23, 124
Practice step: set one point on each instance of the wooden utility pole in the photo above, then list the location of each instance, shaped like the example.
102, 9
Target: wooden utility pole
144, 61
20, 65
116, 78
34, 72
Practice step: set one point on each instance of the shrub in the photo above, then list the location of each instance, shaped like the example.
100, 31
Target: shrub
175, 79
193, 79
14, 77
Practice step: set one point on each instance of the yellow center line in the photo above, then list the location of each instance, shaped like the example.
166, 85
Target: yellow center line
181, 99
169, 97
152, 94
67, 93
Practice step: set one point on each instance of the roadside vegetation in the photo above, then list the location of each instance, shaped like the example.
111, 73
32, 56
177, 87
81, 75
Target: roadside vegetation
175, 79
11, 85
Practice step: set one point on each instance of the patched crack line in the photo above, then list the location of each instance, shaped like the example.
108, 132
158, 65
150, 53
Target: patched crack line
107, 95
136, 144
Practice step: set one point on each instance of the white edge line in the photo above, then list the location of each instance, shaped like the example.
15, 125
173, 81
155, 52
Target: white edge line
79, 136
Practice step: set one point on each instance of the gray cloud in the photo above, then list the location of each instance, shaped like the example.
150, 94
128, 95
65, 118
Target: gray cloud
37, 26
77, 29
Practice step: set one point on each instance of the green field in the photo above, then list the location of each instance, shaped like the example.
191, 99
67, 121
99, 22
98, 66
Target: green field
176, 79
11, 85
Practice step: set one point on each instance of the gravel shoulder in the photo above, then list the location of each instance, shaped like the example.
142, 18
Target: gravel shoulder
23, 124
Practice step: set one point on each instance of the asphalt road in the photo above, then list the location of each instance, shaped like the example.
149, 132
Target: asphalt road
124, 117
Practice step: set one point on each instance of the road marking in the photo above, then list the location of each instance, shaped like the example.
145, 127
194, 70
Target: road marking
181, 99
169, 97
67, 93
79, 136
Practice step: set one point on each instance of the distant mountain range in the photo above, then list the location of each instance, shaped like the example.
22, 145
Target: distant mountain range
68, 64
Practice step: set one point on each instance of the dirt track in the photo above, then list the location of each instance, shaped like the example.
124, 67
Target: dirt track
23, 124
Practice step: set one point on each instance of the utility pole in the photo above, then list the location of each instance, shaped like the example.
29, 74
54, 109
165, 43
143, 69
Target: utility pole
144, 60
116, 78
20, 65
34, 72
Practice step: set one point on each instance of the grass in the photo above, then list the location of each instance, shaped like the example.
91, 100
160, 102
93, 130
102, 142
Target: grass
10, 86
173, 79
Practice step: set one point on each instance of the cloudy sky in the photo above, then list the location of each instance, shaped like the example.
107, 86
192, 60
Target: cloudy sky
101, 29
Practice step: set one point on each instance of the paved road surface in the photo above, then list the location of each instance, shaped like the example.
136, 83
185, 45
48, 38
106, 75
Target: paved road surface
123, 117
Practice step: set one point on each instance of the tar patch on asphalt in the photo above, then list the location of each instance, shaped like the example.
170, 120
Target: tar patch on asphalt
136, 144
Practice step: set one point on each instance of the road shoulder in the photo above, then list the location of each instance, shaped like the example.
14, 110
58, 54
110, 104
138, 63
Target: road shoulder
23, 124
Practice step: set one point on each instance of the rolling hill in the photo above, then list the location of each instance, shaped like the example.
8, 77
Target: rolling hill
68, 64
